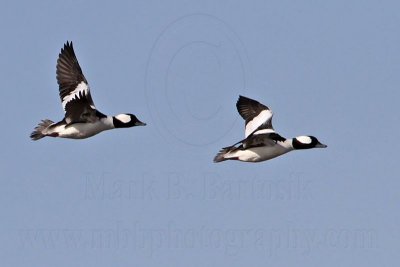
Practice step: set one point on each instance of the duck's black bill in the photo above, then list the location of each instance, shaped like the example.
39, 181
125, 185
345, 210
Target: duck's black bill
139, 123
319, 145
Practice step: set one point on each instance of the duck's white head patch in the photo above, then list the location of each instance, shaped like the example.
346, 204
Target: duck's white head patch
123, 118
304, 139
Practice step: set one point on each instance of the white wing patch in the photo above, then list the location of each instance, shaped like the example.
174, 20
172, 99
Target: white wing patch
304, 139
82, 88
257, 121
123, 118
264, 131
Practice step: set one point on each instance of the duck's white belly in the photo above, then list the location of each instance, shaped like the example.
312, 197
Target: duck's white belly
257, 154
80, 130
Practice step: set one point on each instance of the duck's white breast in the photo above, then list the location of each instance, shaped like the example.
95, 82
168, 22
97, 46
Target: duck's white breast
262, 153
84, 130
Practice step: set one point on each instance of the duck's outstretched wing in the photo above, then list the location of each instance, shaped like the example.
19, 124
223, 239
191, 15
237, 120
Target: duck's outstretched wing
258, 117
73, 88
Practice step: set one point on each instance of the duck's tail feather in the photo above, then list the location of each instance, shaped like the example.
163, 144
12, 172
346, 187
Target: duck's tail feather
221, 156
39, 131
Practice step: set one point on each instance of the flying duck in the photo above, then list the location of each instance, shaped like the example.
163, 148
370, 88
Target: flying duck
261, 141
82, 119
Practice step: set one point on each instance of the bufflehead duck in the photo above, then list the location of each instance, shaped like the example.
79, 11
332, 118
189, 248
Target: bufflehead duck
82, 119
261, 141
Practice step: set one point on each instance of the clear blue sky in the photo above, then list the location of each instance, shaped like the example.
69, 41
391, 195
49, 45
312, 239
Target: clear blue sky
151, 196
